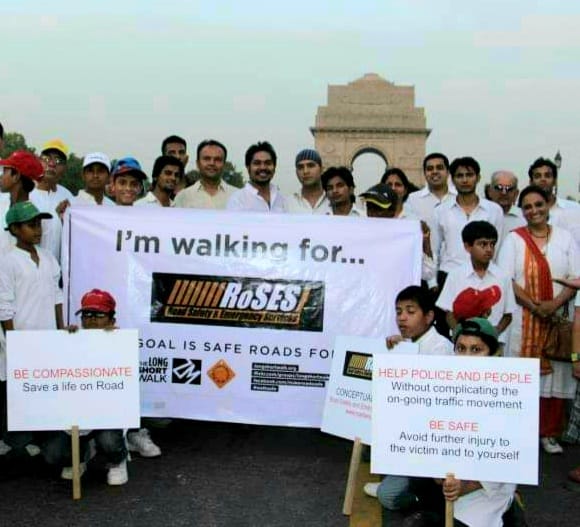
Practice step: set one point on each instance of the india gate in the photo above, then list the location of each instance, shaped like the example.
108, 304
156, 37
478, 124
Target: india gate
372, 115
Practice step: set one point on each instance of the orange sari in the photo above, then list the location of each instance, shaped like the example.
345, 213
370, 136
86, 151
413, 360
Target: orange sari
538, 285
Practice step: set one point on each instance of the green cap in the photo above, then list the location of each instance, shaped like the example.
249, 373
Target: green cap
478, 327
24, 211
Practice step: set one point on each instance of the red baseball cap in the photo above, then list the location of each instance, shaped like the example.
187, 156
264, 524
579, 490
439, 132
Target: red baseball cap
25, 163
472, 302
97, 300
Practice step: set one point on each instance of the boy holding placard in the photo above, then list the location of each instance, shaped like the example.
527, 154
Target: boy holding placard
30, 295
97, 312
415, 316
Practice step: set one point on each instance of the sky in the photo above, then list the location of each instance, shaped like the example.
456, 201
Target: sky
498, 80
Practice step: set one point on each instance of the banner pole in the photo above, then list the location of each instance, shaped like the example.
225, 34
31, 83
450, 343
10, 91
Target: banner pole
449, 512
352, 473
76, 465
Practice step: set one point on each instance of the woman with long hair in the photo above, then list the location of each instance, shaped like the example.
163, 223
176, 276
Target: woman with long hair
532, 255
398, 181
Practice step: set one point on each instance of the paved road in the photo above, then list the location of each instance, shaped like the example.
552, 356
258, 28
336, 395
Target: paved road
215, 474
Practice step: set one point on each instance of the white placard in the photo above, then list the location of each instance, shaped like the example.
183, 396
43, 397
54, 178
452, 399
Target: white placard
58, 379
474, 417
348, 405
238, 312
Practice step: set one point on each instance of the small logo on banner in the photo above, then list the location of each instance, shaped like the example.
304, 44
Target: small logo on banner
358, 365
186, 371
237, 301
221, 373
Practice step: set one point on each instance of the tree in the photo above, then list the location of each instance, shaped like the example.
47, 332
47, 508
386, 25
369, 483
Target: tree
72, 177
14, 141
230, 175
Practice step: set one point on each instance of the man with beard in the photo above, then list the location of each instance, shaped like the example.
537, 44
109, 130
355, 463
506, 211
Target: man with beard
311, 199
452, 216
210, 191
259, 194
166, 175
338, 184
544, 173
49, 196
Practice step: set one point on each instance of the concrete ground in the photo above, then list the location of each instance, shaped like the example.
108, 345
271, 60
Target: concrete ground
217, 474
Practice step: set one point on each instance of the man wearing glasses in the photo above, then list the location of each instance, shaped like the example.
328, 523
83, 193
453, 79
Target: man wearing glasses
49, 196
503, 190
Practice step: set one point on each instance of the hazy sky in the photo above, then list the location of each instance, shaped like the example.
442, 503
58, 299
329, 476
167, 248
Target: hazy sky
498, 80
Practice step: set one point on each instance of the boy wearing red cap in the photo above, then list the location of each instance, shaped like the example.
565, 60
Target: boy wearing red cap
18, 174
97, 312
480, 273
30, 295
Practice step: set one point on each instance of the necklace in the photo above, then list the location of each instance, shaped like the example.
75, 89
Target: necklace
540, 236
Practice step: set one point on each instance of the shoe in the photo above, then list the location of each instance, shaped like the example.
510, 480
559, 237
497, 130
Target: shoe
67, 472
117, 474
551, 446
141, 442
370, 489
4, 448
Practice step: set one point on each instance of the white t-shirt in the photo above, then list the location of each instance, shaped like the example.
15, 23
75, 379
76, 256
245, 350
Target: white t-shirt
247, 199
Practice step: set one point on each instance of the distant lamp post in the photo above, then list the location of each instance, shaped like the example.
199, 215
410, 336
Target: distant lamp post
558, 159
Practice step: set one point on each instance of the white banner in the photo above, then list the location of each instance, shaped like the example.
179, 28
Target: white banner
58, 379
348, 405
476, 417
237, 313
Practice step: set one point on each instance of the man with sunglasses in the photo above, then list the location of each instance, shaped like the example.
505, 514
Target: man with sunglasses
503, 190
49, 196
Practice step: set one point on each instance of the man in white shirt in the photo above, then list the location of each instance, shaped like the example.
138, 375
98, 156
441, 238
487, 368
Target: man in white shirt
259, 194
166, 175
49, 196
422, 203
96, 174
338, 184
544, 173
503, 190
311, 199
210, 191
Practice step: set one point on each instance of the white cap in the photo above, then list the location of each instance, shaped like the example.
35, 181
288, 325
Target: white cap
97, 157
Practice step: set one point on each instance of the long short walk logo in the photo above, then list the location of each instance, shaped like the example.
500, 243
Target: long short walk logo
186, 371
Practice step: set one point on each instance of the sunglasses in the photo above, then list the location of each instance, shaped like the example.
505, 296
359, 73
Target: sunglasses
504, 188
93, 314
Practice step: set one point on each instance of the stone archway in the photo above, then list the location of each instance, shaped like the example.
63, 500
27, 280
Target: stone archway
374, 115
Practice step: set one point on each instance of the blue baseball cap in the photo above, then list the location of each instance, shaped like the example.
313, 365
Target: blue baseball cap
128, 165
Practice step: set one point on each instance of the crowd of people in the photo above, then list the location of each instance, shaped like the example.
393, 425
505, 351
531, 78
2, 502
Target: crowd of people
491, 268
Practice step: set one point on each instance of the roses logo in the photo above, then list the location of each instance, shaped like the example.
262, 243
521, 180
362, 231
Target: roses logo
237, 301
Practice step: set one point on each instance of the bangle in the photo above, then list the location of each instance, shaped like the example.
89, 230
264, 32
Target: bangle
574, 357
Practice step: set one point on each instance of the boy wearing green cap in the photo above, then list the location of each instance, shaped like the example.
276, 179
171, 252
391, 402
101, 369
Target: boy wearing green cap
30, 295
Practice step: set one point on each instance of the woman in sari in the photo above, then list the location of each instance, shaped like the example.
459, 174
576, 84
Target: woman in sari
531, 255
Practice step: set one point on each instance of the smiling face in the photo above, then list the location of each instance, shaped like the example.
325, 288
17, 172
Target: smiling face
261, 168
125, 189
436, 173
168, 178
535, 210
211, 161
338, 192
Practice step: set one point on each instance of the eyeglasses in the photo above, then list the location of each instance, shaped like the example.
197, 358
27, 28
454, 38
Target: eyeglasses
504, 188
57, 160
93, 314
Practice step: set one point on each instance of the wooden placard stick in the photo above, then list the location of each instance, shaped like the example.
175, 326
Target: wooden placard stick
352, 473
76, 463
449, 512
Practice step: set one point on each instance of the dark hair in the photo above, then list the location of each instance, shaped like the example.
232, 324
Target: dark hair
343, 173
27, 184
475, 230
464, 162
1, 131
211, 142
532, 189
418, 294
472, 329
172, 139
409, 187
436, 155
262, 146
543, 162
161, 162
